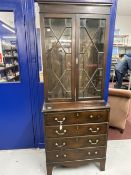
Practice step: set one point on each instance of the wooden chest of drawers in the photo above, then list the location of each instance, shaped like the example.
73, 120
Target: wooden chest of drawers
75, 137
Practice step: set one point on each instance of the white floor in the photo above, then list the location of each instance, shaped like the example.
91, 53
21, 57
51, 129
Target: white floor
32, 162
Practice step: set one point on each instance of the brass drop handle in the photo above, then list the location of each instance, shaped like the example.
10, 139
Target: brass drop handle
60, 121
89, 153
60, 146
93, 143
61, 133
91, 116
94, 131
65, 155
96, 152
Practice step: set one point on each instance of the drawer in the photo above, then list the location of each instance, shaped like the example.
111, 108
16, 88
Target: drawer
75, 130
76, 142
93, 116
90, 116
60, 118
77, 154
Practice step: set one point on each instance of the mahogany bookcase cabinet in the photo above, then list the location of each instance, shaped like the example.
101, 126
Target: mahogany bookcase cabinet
74, 38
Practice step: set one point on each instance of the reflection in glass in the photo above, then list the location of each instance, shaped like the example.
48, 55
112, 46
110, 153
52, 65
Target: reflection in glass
92, 33
58, 51
65, 40
9, 66
37, 25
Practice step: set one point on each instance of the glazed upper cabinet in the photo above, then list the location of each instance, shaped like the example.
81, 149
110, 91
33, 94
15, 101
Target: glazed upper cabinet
74, 52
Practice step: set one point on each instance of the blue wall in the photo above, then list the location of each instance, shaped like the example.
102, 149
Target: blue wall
110, 47
32, 53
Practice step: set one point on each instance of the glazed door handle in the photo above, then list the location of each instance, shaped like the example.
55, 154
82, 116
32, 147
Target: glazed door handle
93, 143
77, 60
94, 131
60, 133
60, 146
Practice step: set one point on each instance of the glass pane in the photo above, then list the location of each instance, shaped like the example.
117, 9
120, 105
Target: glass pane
58, 51
9, 65
65, 40
50, 39
68, 22
58, 26
92, 34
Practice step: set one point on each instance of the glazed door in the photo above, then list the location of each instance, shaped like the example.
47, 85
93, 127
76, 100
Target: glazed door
91, 37
16, 122
58, 40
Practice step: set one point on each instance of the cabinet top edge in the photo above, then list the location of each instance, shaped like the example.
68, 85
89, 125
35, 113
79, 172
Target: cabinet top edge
73, 106
106, 2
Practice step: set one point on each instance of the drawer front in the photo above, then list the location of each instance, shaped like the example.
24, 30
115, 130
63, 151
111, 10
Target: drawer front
77, 154
93, 116
77, 142
75, 130
90, 116
60, 118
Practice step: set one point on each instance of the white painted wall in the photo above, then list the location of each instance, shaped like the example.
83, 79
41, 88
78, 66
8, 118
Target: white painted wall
124, 24
123, 20
124, 7
37, 15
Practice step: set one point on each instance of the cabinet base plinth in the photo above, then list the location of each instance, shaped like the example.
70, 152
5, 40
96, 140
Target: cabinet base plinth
74, 164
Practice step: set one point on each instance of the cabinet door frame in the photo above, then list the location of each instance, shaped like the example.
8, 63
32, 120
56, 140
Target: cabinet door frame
91, 16
51, 15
